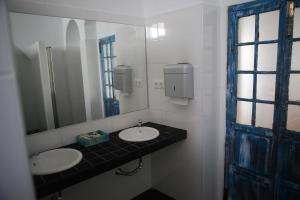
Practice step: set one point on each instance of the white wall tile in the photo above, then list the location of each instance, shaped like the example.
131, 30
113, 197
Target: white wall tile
106, 185
43, 141
191, 36
158, 7
66, 135
16, 180
129, 119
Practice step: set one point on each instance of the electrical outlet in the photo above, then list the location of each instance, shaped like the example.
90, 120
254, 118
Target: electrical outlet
158, 84
139, 83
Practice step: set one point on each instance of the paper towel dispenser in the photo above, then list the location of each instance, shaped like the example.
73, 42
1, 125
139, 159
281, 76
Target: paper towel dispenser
122, 79
179, 81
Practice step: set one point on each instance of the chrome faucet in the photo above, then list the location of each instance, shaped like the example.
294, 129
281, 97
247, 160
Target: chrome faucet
140, 122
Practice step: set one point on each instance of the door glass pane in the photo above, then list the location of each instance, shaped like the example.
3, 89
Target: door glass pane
297, 23
264, 115
296, 56
294, 87
246, 29
106, 78
110, 78
266, 87
108, 64
111, 91
267, 57
108, 50
244, 112
104, 51
107, 91
246, 57
268, 26
245, 86
105, 64
293, 120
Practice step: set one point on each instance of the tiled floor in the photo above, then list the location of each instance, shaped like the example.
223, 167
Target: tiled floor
153, 194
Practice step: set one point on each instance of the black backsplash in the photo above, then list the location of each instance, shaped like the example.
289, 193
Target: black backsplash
106, 156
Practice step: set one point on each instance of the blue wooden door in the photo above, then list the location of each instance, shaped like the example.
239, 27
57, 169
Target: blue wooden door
263, 101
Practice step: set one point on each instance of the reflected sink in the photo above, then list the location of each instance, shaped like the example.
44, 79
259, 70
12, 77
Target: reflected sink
139, 134
54, 161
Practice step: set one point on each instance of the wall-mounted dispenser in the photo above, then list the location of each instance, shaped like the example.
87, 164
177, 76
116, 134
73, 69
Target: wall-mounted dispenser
179, 82
123, 78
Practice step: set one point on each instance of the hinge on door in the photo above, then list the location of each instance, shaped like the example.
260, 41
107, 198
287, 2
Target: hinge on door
291, 13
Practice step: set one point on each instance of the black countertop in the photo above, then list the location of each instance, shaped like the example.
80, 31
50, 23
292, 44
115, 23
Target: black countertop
106, 156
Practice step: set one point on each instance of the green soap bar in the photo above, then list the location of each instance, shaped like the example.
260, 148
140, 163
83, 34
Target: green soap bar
92, 138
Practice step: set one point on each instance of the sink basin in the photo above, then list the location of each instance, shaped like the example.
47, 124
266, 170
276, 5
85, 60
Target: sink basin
54, 161
139, 134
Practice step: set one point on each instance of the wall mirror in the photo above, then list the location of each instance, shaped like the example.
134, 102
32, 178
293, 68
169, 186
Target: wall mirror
72, 70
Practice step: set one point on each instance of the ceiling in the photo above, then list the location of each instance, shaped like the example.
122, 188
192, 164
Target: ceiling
136, 8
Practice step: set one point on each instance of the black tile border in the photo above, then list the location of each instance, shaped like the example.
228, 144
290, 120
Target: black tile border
103, 157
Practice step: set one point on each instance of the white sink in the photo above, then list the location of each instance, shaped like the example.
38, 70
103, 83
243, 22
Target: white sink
139, 134
54, 161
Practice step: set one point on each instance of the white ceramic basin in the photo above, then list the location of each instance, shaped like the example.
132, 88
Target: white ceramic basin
139, 134
54, 161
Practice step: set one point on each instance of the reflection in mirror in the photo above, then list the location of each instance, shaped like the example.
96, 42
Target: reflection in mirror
72, 71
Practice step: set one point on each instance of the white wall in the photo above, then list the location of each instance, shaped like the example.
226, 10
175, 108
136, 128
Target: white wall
16, 180
187, 170
157, 7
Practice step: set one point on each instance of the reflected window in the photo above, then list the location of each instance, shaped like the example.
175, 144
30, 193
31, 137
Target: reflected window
107, 57
157, 31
